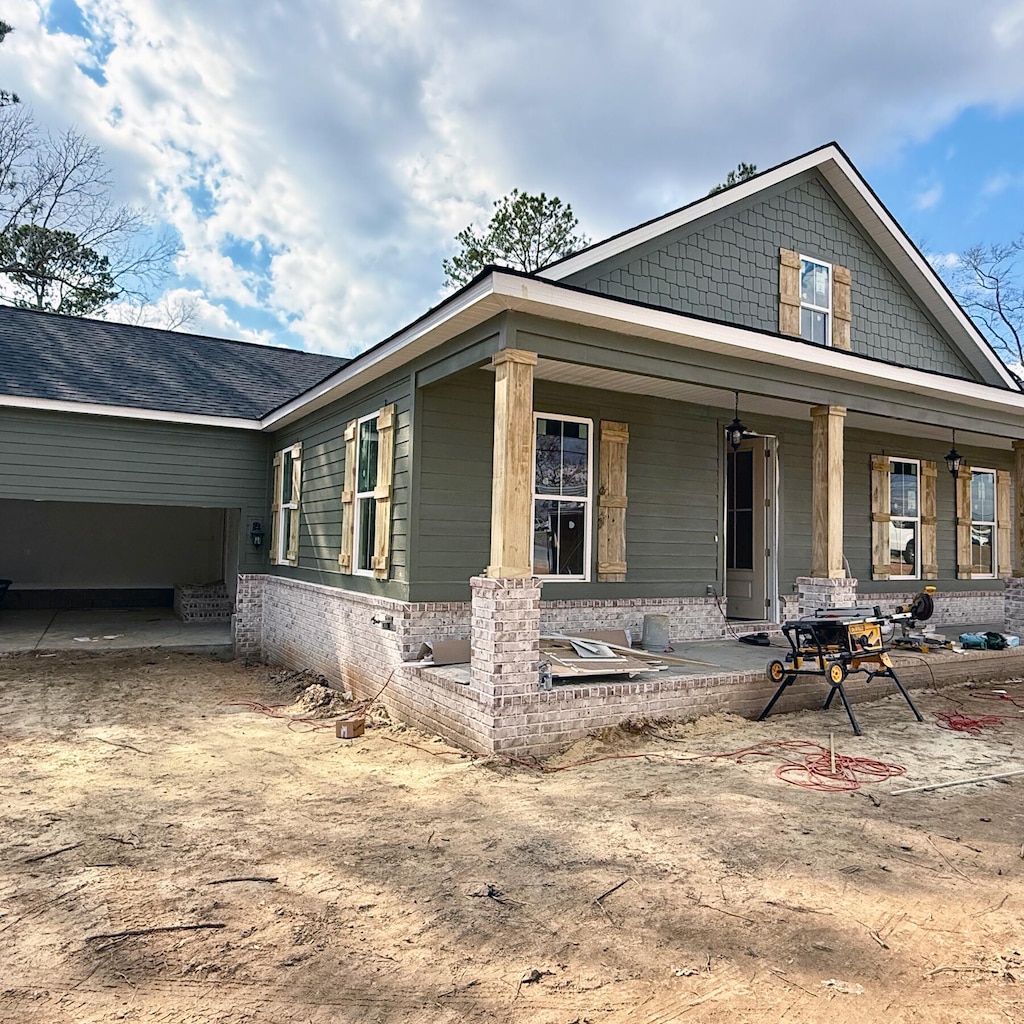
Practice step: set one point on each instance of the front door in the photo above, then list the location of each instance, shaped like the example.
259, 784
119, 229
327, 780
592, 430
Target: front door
749, 533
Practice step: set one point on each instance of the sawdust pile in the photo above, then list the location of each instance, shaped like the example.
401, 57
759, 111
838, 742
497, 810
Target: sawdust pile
320, 701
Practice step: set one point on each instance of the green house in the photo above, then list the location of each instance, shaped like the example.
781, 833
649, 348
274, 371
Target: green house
737, 411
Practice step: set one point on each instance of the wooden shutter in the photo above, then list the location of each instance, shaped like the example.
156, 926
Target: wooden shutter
929, 519
382, 495
881, 556
611, 517
275, 509
964, 560
789, 292
841, 311
1003, 524
292, 554
348, 497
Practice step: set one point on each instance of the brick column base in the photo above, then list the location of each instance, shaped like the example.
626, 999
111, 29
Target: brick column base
1013, 603
815, 592
505, 635
247, 622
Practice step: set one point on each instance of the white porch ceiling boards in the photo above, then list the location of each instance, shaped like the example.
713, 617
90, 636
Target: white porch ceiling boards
751, 406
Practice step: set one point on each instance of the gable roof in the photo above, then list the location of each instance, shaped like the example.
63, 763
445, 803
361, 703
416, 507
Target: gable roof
92, 362
869, 213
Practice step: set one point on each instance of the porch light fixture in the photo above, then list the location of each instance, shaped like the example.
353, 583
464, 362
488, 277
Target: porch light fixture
735, 432
953, 459
256, 535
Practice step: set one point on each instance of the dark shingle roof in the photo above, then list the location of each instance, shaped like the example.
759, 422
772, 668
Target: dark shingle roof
44, 355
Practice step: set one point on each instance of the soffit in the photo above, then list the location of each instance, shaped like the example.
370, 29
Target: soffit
751, 406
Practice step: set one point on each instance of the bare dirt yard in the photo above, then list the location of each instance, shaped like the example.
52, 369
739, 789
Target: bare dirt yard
173, 853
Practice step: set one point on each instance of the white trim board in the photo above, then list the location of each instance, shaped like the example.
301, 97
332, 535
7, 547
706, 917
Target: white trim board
127, 412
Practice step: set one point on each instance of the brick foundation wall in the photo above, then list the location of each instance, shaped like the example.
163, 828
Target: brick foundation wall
952, 607
542, 722
689, 618
328, 630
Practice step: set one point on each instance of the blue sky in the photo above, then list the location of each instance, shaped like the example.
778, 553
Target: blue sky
317, 158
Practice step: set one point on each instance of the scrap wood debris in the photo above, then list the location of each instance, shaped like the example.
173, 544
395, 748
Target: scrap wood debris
132, 932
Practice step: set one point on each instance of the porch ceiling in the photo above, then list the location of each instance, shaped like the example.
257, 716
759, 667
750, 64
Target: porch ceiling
751, 406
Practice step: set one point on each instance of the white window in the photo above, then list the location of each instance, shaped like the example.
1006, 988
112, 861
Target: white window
563, 452
287, 487
904, 519
983, 523
366, 503
815, 301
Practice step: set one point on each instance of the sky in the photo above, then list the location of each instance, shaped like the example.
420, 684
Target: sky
317, 157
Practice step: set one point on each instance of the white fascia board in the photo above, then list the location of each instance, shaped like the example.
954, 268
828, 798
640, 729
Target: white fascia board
712, 204
431, 330
559, 303
127, 412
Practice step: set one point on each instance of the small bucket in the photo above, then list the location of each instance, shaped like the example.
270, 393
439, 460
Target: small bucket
654, 637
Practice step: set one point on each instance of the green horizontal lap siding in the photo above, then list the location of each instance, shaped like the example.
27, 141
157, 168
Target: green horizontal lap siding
454, 496
673, 485
859, 446
323, 477
726, 266
793, 452
50, 456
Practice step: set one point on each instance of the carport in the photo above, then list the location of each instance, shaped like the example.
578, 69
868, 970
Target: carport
80, 555
133, 474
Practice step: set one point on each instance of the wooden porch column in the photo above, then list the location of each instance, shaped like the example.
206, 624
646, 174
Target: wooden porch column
827, 492
512, 473
1017, 533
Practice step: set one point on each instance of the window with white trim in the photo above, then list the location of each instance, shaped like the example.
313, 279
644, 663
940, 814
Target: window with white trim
562, 471
365, 502
904, 519
815, 301
983, 523
287, 487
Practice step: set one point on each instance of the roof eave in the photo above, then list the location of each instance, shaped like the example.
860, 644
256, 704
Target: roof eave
127, 412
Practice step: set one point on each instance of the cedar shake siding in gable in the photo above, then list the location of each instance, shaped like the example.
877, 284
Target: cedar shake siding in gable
726, 266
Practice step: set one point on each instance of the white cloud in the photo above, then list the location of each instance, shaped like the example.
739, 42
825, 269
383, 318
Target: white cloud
1000, 182
203, 316
928, 198
317, 159
943, 261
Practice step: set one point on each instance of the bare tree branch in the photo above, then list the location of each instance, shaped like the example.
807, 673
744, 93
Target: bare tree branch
64, 244
989, 282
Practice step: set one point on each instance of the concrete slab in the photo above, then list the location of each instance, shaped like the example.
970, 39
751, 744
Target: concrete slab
107, 629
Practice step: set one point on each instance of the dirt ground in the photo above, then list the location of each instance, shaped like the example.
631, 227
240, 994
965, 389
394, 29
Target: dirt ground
405, 881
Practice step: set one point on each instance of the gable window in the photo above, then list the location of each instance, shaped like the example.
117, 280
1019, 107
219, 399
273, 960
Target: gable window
815, 301
365, 497
904, 519
983, 523
284, 541
563, 450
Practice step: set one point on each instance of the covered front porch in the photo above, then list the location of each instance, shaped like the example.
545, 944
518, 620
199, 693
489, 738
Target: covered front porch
668, 528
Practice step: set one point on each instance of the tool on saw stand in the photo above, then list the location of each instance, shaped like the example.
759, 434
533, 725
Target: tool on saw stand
835, 642
907, 617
